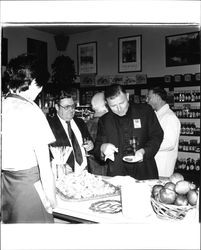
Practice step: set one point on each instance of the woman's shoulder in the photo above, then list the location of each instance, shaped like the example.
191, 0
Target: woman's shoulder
17, 106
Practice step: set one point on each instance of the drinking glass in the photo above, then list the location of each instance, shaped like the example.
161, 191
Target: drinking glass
132, 146
134, 143
85, 144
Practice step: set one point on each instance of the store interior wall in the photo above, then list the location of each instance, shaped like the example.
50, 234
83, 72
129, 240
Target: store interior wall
17, 41
153, 46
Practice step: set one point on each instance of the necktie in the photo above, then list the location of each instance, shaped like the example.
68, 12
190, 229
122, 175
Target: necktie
75, 144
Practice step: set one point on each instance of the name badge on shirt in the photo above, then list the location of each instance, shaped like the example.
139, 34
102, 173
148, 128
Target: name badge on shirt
137, 123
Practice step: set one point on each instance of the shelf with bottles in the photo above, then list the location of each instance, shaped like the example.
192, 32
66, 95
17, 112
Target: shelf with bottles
84, 111
186, 96
187, 111
190, 146
188, 164
189, 129
190, 169
46, 102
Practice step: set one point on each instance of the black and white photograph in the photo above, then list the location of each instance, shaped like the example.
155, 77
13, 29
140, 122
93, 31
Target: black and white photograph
130, 53
87, 58
100, 125
183, 49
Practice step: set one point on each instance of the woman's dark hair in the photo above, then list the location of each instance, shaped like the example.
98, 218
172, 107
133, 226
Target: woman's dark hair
22, 70
160, 91
114, 90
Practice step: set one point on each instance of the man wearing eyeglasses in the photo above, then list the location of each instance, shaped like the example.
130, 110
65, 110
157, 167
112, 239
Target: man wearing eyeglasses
70, 131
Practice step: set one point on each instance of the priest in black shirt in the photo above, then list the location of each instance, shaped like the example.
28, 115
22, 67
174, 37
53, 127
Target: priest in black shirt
124, 121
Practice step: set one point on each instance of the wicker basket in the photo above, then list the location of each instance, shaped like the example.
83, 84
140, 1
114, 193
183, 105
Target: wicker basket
166, 211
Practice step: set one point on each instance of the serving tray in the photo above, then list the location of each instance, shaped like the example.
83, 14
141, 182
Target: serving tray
116, 192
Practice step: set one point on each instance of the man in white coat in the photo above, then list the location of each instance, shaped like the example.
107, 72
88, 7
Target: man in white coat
167, 155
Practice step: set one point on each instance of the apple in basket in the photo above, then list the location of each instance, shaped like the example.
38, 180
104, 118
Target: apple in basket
155, 191
181, 200
170, 185
167, 195
182, 187
192, 197
175, 177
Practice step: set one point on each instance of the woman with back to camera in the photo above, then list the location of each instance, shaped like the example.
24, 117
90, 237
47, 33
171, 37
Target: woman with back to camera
28, 188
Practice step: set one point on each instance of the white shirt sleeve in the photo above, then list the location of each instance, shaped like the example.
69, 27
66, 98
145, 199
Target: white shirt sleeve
171, 128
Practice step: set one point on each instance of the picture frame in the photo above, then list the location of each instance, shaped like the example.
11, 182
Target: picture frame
177, 78
141, 79
182, 49
197, 76
130, 54
129, 80
87, 58
103, 80
167, 78
87, 80
187, 77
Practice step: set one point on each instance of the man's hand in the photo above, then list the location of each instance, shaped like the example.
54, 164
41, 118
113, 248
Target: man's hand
139, 155
108, 150
89, 146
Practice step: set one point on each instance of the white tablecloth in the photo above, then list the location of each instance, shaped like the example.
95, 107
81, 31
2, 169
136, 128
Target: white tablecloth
80, 209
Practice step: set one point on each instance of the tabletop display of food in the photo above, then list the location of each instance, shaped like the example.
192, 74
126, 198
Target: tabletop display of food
169, 198
83, 186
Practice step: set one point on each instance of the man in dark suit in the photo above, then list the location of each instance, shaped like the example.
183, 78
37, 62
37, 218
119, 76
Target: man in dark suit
123, 121
70, 131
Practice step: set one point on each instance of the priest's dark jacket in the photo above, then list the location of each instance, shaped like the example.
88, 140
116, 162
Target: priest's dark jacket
140, 121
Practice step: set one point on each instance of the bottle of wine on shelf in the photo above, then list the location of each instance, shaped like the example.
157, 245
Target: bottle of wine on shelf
197, 165
187, 96
190, 165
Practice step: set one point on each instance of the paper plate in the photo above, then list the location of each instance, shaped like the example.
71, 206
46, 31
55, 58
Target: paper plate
130, 158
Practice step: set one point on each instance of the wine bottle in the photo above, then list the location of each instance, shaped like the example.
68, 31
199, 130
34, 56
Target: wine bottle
192, 164
197, 165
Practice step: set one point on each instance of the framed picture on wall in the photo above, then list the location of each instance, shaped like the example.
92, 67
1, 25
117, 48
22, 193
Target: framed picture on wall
87, 58
183, 49
87, 80
129, 54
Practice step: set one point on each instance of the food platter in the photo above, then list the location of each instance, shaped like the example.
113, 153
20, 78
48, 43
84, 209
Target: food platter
84, 187
106, 206
116, 192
